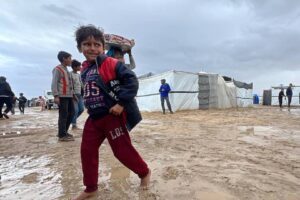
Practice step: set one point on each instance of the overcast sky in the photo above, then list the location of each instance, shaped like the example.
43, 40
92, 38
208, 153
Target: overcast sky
252, 41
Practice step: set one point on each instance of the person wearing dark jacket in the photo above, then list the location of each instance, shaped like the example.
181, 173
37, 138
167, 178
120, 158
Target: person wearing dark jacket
109, 118
289, 94
22, 101
6, 95
280, 96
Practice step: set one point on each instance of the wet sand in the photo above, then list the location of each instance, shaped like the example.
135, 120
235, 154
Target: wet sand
231, 154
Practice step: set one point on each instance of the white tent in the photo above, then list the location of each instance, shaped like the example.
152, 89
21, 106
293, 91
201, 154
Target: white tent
193, 91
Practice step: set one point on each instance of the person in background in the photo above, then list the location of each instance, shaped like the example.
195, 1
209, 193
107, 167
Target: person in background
62, 90
6, 95
78, 89
22, 101
118, 54
289, 94
280, 96
164, 95
42, 103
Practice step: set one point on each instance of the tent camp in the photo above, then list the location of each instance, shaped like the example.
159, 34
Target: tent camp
193, 91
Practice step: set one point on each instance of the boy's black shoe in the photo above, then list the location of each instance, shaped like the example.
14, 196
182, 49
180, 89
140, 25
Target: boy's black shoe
5, 115
69, 135
65, 139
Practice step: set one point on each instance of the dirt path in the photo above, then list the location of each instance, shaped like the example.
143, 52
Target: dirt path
210, 155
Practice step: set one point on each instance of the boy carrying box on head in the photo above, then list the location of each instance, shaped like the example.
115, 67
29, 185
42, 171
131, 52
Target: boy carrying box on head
107, 117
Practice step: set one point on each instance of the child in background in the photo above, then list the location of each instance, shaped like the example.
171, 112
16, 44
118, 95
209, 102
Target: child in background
62, 90
22, 101
42, 103
78, 88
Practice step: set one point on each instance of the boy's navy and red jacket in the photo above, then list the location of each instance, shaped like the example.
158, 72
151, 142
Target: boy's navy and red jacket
118, 79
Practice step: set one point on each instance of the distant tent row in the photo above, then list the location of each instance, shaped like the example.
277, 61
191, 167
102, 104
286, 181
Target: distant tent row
194, 91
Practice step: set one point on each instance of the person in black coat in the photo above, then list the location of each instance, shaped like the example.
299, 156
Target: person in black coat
280, 96
6, 95
289, 94
22, 101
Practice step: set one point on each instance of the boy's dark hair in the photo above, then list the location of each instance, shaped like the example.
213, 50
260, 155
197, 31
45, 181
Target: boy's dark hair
118, 50
2, 78
84, 32
63, 55
75, 63
21, 94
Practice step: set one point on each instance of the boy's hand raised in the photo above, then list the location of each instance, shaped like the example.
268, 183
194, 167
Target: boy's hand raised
116, 110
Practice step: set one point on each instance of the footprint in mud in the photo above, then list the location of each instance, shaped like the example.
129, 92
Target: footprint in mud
30, 178
170, 173
147, 195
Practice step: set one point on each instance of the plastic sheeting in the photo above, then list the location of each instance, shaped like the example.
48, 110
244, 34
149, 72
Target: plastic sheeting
183, 96
192, 91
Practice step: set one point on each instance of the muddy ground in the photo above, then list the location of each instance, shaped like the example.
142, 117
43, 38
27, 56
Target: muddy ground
251, 153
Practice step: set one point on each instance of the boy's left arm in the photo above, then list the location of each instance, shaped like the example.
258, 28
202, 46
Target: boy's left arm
128, 83
127, 89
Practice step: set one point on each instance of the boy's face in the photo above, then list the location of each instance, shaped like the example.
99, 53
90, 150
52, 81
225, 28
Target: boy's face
68, 61
119, 56
91, 48
77, 68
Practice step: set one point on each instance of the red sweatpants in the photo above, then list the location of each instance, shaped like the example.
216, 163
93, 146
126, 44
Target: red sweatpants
94, 133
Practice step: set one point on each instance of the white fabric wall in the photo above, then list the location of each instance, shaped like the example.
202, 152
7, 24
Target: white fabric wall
222, 94
226, 94
178, 81
244, 97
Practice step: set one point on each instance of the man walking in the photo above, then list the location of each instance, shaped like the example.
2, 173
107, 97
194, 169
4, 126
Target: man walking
289, 94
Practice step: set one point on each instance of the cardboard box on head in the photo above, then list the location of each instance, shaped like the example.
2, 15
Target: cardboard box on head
112, 40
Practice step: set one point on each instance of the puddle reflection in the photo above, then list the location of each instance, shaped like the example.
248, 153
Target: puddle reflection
25, 177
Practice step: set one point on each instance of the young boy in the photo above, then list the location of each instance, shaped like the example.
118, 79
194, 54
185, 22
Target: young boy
78, 87
62, 89
107, 119
118, 54
42, 103
22, 101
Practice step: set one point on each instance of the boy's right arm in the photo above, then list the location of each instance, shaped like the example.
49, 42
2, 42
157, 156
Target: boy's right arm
128, 83
55, 80
55, 85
